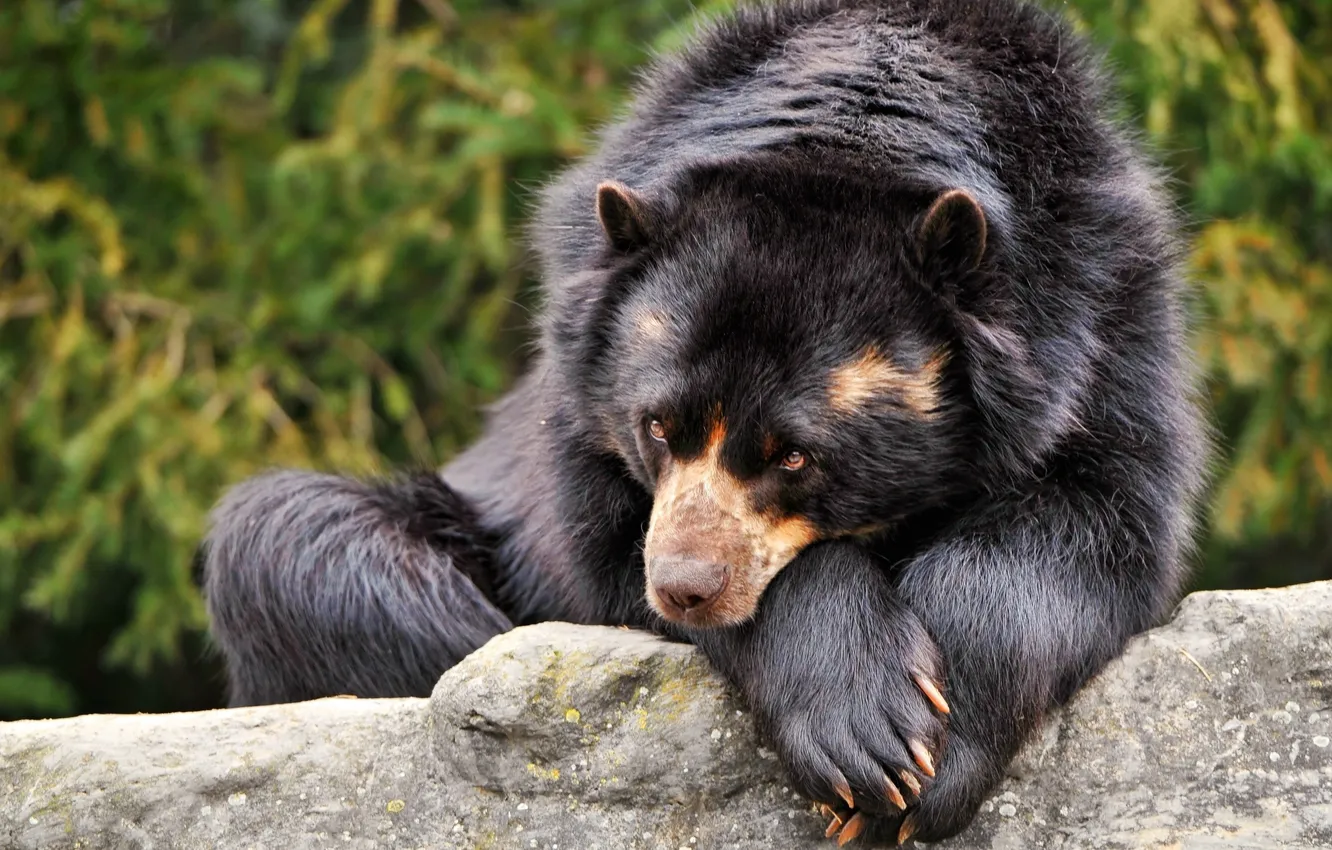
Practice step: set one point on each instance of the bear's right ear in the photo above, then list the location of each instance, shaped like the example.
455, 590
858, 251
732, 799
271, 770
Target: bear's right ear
623, 215
953, 232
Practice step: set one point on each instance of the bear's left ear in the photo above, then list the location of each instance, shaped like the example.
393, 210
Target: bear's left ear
623, 215
953, 232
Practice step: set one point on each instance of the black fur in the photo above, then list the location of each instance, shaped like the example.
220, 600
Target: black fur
319, 585
776, 178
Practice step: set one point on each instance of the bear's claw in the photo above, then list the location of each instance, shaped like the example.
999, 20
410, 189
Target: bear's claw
847, 826
910, 781
852, 829
843, 789
907, 830
932, 693
893, 794
833, 825
922, 757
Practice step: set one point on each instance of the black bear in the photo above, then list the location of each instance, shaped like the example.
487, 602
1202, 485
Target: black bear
864, 366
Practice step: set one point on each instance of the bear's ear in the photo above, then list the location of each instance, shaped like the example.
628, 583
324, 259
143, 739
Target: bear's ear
623, 215
953, 232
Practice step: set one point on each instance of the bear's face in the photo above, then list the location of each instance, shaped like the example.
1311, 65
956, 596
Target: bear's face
776, 375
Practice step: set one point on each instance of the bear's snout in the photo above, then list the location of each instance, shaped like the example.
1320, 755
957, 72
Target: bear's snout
709, 552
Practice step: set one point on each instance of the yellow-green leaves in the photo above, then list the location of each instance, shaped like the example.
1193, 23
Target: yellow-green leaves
240, 235
1235, 93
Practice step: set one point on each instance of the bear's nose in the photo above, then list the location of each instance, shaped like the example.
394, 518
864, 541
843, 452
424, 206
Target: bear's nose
684, 584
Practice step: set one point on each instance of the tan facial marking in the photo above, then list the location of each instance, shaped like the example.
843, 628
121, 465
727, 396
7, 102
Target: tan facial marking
873, 375
702, 512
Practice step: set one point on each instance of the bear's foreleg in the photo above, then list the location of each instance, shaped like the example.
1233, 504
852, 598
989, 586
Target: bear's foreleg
1027, 599
318, 585
845, 681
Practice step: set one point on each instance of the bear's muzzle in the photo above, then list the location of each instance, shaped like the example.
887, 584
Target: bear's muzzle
708, 554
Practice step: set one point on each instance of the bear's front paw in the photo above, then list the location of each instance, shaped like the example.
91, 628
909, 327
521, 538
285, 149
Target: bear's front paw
862, 734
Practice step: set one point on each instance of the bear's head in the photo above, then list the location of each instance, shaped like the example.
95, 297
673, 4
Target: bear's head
773, 357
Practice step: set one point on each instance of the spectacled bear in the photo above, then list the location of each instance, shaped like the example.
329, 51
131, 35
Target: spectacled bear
863, 365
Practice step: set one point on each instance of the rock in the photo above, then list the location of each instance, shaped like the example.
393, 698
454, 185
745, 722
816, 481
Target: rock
610, 739
1202, 735
1211, 731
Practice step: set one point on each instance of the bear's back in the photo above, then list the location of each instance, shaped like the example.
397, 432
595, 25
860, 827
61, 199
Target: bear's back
912, 82
997, 96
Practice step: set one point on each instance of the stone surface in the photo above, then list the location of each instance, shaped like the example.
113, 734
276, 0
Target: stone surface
1212, 731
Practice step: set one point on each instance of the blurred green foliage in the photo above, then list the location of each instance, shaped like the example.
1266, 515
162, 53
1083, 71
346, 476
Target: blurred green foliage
1237, 95
242, 234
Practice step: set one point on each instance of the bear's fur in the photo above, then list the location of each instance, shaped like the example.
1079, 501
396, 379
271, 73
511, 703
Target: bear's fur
865, 329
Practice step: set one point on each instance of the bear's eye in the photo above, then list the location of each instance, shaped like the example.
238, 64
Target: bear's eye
793, 460
657, 430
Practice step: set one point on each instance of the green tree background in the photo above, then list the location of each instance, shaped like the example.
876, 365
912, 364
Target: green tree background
242, 234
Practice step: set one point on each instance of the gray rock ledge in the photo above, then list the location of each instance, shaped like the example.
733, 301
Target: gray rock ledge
1212, 731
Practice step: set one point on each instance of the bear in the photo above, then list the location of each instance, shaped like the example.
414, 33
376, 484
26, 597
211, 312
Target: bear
863, 365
